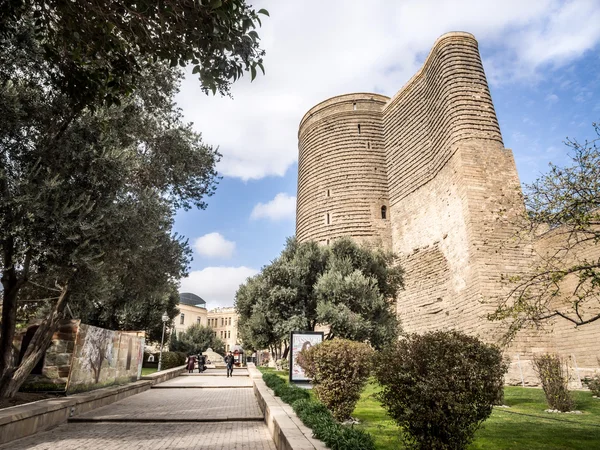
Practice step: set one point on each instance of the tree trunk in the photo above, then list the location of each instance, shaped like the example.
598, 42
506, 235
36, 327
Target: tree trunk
14, 377
286, 351
10, 285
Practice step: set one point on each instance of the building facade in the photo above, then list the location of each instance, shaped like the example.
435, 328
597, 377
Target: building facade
426, 175
192, 310
224, 322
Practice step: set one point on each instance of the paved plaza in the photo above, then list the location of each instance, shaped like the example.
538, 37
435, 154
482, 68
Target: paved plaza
200, 411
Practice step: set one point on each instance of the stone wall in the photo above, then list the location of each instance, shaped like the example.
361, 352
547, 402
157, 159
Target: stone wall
437, 162
342, 182
105, 357
83, 357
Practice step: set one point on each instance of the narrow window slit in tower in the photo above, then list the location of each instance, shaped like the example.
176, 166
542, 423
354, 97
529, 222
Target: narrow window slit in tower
327, 241
328, 219
328, 193
369, 144
354, 106
383, 212
359, 128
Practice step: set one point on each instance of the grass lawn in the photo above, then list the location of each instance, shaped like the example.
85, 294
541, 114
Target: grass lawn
147, 370
524, 425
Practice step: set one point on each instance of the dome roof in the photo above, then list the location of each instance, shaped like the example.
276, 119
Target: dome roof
187, 298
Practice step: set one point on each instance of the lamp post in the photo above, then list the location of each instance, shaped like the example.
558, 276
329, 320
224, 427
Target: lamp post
165, 319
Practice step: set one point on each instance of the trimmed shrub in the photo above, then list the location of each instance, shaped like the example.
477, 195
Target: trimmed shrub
439, 387
593, 385
554, 376
339, 370
316, 416
283, 364
172, 359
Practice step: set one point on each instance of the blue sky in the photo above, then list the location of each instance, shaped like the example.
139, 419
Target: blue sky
542, 60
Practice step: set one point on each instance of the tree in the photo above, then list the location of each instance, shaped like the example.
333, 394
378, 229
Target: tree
563, 218
100, 50
85, 210
349, 288
197, 338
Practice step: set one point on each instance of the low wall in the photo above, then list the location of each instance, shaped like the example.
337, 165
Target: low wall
164, 375
24, 420
287, 431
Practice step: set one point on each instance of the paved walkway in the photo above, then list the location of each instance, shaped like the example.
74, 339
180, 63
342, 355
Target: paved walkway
199, 411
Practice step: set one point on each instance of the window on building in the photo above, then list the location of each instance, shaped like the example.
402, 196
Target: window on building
328, 194
229, 335
369, 144
328, 219
354, 106
182, 319
221, 334
222, 321
359, 128
198, 321
383, 212
230, 321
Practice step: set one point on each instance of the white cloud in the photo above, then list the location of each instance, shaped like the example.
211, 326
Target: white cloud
214, 245
216, 285
551, 98
282, 207
318, 49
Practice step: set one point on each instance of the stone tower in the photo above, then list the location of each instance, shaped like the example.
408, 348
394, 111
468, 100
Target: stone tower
342, 181
426, 174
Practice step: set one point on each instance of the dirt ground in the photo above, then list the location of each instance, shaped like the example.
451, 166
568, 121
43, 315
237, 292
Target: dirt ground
25, 397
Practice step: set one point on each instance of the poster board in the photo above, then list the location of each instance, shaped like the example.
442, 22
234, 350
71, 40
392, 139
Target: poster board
301, 340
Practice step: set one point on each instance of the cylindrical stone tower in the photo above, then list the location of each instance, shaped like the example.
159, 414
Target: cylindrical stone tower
342, 180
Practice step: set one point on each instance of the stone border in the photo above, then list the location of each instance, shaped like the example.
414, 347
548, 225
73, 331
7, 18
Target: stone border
164, 375
17, 422
286, 429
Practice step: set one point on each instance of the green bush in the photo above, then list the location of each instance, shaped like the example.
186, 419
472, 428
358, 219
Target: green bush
316, 416
172, 359
554, 376
439, 387
593, 385
339, 370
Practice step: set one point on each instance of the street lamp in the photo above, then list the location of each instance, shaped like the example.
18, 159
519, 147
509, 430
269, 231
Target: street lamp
165, 319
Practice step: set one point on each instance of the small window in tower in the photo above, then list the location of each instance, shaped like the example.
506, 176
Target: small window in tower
383, 212
327, 241
182, 319
328, 219
369, 144
328, 193
354, 106
359, 128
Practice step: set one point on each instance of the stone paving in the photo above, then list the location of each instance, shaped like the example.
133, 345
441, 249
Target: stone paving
203, 381
187, 404
221, 414
150, 436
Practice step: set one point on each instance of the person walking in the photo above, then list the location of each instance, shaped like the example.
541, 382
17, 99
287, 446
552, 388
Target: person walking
191, 362
229, 363
201, 363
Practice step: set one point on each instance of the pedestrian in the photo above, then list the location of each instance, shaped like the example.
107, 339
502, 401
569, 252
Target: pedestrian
229, 363
200, 363
191, 362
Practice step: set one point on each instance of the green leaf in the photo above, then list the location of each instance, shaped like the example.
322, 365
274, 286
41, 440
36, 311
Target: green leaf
214, 4
253, 72
264, 11
196, 70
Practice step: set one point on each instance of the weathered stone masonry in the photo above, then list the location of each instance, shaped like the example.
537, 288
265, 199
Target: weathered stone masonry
426, 174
